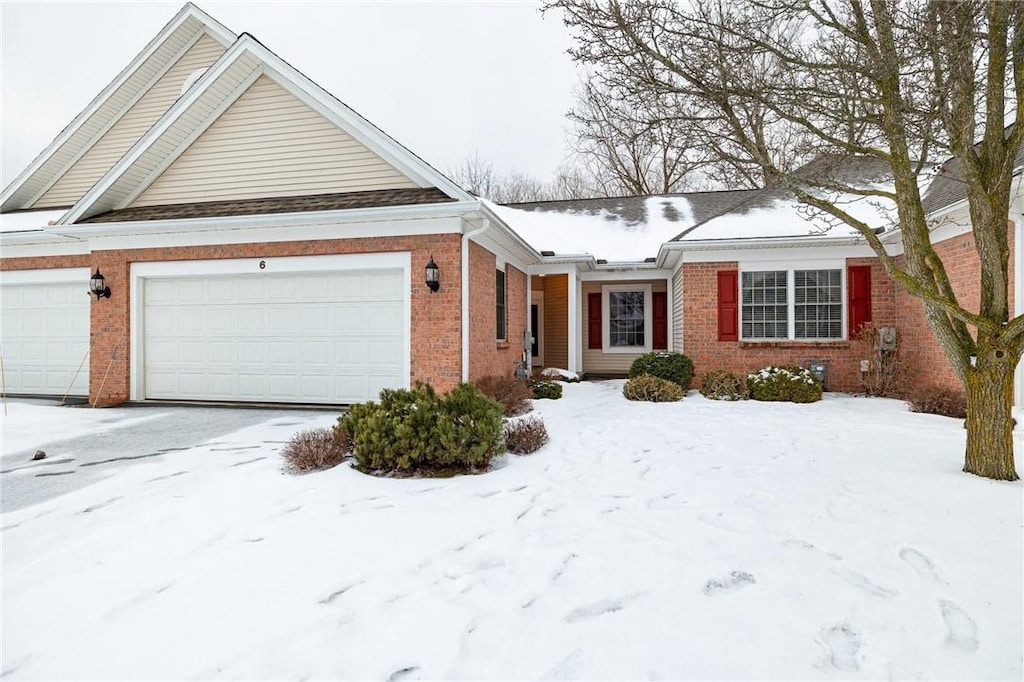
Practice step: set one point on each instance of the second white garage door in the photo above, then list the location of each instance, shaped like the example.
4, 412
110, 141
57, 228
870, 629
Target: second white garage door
323, 337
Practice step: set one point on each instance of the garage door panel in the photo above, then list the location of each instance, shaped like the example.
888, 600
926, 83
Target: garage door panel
305, 337
44, 337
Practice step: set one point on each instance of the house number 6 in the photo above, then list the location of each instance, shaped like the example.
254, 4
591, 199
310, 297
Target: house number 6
263, 265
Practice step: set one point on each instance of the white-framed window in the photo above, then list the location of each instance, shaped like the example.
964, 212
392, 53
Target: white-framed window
805, 304
627, 324
500, 309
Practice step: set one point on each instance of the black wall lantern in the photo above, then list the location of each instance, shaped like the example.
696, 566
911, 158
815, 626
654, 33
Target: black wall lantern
98, 285
433, 276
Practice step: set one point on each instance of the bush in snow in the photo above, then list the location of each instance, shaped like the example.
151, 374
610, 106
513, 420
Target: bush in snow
526, 435
674, 367
548, 390
941, 401
555, 374
513, 395
316, 449
792, 384
724, 385
418, 432
652, 389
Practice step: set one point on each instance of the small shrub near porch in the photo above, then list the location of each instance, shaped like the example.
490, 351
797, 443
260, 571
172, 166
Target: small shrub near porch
514, 396
674, 367
416, 432
546, 390
526, 435
785, 384
652, 389
941, 401
722, 384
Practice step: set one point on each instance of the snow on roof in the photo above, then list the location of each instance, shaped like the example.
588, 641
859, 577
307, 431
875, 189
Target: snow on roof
629, 230
776, 213
26, 221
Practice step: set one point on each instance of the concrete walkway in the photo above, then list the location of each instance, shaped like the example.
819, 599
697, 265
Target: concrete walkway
154, 431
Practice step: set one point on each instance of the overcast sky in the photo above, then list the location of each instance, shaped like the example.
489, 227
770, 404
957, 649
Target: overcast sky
445, 79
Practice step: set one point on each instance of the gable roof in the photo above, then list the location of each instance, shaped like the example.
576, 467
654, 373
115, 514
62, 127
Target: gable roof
180, 33
222, 84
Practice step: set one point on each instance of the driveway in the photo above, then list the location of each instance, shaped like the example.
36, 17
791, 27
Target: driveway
91, 444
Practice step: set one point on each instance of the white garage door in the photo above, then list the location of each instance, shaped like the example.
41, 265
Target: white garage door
324, 337
44, 337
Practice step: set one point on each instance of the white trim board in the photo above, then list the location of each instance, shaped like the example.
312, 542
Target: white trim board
47, 276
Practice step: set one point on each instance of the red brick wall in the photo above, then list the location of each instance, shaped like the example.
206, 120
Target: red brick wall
700, 330
487, 355
436, 331
926, 364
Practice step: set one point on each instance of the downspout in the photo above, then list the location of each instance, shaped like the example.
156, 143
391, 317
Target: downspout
465, 294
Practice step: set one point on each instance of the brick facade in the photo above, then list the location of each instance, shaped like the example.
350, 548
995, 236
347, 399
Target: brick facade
488, 356
436, 330
926, 364
700, 329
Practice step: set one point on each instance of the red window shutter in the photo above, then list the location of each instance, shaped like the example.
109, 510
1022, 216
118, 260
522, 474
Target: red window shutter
660, 321
594, 321
728, 305
858, 287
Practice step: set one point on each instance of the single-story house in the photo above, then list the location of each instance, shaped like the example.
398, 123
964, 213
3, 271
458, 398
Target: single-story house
260, 241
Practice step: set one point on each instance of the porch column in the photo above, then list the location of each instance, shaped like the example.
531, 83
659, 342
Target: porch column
575, 320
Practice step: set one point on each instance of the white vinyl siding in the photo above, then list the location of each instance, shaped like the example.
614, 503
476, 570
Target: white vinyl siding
270, 144
676, 342
130, 127
318, 337
44, 337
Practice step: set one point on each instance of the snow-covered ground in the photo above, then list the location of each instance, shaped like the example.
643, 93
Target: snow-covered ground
695, 540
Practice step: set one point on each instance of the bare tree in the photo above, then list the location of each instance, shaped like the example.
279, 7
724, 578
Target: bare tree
898, 81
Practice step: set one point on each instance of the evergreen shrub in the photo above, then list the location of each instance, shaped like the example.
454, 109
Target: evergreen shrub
724, 385
792, 384
652, 389
547, 390
674, 367
417, 432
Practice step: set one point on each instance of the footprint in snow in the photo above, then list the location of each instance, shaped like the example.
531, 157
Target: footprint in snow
594, 610
921, 564
733, 582
841, 643
963, 631
409, 673
566, 669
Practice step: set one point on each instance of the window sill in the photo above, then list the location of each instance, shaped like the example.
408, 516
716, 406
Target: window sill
791, 343
502, 345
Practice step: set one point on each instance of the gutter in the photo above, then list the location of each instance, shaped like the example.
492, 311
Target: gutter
465, 294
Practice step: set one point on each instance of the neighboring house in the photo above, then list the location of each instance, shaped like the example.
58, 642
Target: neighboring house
262, 242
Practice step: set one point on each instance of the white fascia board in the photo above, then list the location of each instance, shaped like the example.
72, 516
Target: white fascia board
216, 30
46, 276
68, 247
631, 275
354, 124
796, 255
502, 253
170, 117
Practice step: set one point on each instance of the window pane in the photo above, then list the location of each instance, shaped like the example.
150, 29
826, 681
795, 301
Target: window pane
818, 308
499, 304
626, 319
764, 311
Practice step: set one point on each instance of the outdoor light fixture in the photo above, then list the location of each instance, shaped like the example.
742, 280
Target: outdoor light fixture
433, 276
98, 285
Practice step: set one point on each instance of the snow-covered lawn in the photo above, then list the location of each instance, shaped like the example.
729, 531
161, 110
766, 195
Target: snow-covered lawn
695, 540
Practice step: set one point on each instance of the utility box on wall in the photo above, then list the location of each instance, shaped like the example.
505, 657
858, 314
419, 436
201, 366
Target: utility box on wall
887, 338
820, 367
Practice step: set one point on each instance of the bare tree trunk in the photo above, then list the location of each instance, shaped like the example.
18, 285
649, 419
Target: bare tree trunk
989, 415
